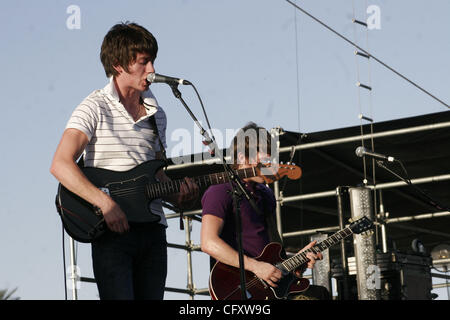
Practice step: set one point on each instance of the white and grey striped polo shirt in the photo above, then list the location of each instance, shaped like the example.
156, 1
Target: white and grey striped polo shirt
116, 141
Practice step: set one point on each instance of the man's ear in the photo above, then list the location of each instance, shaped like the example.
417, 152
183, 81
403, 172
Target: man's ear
119, 69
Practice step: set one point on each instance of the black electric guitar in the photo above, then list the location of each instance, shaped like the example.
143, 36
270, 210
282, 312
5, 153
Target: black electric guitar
225, 284
134, 190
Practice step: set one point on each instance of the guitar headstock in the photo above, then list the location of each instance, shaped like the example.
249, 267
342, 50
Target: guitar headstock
273, 172
361, 225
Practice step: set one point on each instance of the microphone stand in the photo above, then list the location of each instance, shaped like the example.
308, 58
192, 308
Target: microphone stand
429, 201
238, 190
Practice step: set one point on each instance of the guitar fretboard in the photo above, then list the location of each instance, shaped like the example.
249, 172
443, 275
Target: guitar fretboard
300, 258
157, 190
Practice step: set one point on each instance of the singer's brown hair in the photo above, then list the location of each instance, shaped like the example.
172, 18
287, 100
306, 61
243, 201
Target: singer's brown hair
122, 43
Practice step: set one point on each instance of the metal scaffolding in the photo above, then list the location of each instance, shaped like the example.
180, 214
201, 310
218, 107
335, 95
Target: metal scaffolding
281, 200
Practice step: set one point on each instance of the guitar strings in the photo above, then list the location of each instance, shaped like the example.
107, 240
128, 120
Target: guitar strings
165, 186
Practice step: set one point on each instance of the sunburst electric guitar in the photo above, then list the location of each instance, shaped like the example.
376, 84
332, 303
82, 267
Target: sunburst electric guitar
224, 280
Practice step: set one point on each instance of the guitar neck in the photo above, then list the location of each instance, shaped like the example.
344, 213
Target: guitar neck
157, 190
300, 258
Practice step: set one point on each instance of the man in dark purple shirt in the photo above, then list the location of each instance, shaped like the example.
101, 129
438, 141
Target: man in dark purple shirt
217, 201
218, 238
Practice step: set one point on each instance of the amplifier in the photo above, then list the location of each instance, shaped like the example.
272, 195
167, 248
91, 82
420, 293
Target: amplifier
397, 276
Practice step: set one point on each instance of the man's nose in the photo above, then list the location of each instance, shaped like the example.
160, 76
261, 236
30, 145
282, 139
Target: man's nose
150, 67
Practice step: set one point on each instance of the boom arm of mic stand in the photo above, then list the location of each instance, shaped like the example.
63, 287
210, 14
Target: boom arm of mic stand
430, 201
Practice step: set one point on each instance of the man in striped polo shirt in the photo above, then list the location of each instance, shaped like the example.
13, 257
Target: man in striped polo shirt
111, 128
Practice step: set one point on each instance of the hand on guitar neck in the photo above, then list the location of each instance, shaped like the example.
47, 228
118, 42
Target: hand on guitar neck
312, 260
271, 274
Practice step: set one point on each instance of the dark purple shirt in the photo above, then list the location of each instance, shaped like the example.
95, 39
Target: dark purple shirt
218, 202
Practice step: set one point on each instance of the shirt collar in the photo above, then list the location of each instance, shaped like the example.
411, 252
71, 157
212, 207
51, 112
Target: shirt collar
151, 104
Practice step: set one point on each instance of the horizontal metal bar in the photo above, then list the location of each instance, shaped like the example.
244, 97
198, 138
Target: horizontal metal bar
441, 261
178, 290
184, 247
361, 116
388, 185
442, 276
359, 84
309, 196
308, 232
441, 285
204, 291
367, 136
380, 186
187, 213
359, 22
84, 279
390, 221
419, 217
359, 53
422, 230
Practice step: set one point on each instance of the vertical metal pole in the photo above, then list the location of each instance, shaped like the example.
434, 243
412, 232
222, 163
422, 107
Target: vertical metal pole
322, 268
382, 220
339, 193
188, 229
73, 268
276, 187
278, 199
368, 275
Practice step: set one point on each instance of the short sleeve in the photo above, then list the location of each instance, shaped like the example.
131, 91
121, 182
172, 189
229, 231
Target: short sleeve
84, 118
217, 201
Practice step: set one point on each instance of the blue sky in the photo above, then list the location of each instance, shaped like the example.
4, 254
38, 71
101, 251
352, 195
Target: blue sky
258, 60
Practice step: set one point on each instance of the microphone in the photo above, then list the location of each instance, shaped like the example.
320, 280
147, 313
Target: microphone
361, 151
154, 77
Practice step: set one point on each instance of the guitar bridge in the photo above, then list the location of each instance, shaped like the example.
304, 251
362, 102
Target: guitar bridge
263, 283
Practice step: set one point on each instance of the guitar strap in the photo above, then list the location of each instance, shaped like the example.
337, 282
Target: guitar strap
152, 121
271, 225
155, 129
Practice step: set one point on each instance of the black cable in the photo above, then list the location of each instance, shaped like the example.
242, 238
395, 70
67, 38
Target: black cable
369, 54
204, 111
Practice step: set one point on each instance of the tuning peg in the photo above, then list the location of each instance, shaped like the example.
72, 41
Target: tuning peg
293, 163
351, 220
281, 162
367, 233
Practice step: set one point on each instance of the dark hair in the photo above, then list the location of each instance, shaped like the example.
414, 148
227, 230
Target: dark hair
250, 140
122, 43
